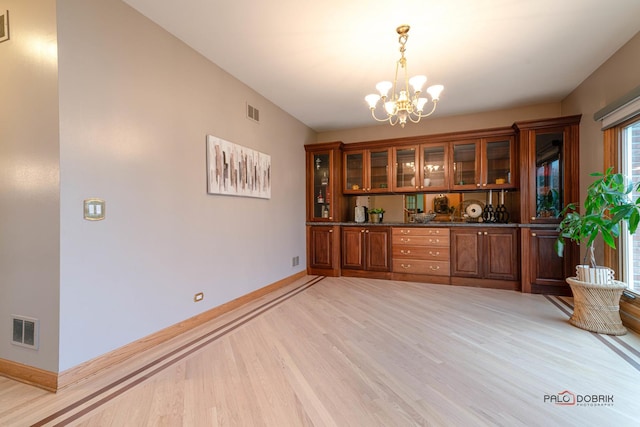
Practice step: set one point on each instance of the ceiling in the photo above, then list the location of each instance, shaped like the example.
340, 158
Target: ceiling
318, 59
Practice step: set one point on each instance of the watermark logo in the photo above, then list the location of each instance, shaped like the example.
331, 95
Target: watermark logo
567, 398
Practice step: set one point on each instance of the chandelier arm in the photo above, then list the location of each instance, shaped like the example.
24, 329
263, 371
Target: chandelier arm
435, 104
373, 114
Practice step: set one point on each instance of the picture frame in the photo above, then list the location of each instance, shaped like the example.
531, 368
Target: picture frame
4, 26
235, 170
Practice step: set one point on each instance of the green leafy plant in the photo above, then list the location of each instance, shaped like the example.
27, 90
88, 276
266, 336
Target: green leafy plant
608, 204
376, 211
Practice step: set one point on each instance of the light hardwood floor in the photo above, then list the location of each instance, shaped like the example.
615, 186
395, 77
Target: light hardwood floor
355, 352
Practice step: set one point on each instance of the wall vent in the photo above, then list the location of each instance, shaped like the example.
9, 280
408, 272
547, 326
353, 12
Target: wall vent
253, 113
25, 331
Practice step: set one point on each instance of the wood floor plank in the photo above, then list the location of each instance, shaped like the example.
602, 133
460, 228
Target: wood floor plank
358, 352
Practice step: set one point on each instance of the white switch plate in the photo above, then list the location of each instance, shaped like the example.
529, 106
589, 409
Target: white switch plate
94, 209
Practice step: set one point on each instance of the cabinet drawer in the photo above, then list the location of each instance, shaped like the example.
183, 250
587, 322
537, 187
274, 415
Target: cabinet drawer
418, 266
420, 231
416, 240
435, 253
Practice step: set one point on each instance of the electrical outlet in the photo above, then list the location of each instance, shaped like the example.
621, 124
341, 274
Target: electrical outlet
295, 261
198, 297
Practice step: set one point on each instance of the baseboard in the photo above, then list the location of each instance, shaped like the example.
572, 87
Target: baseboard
53, 382
29, 375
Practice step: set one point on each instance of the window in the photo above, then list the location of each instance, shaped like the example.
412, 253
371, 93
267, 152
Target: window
629, 245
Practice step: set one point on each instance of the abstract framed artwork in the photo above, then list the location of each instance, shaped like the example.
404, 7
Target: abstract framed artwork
234, 170
4, 26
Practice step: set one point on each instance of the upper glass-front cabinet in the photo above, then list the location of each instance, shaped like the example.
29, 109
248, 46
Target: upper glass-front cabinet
405, 170
550, 168
498, 163
366, 171
435, 168
466, 165
323, 192
549, 172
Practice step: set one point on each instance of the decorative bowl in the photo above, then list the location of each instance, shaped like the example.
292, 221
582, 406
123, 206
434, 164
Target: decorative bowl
424, 217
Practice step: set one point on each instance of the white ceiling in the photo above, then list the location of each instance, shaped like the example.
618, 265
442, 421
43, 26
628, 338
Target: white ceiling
318, 59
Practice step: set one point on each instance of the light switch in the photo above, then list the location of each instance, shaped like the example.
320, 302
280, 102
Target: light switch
94, 209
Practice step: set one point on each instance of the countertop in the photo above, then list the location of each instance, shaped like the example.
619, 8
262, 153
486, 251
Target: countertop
436, 224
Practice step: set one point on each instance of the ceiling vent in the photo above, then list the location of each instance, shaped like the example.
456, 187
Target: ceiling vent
253, 113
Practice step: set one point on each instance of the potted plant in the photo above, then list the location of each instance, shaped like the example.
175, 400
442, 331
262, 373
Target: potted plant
375, 214
607, 206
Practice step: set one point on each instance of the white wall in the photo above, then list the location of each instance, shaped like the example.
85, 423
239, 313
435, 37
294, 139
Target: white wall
29, 180
135, 107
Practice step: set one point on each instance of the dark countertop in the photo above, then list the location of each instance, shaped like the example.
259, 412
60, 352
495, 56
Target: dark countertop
427, 224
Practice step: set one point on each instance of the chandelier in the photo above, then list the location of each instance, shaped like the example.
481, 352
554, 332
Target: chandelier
403, 104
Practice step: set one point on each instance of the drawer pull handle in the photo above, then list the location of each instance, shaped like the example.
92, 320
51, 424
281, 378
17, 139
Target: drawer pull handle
403, 252
434, 254
434, 231
434, 267
405, 231
405, 240
434, 240
405, 266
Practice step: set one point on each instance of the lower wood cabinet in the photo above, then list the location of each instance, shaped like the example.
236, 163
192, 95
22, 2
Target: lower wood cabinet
323, 250
418, 250
543, 271
482, 254
366, 248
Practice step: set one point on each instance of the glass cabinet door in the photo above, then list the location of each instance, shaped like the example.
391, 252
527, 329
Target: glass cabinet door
405, 172
354, 172
321, 186
497, 163
549, 175
378, 170
465, 165
434, 167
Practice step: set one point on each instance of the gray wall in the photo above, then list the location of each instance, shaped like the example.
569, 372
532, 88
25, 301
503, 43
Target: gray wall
29, 179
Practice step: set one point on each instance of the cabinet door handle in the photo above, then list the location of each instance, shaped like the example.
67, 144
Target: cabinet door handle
366, 231
405, 266
434, 254
478, 185
533, 218
484, 185
485, 233
330, 231
479, 233
403, 252
434, 267
534, 234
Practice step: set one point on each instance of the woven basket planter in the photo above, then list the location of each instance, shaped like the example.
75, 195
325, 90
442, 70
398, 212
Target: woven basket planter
596, 307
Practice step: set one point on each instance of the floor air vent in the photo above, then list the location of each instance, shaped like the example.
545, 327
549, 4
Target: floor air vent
25, 331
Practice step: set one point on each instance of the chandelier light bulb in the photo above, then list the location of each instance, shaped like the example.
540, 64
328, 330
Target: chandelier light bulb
435, 91
372, 99
420, 102
417, 82
383, 88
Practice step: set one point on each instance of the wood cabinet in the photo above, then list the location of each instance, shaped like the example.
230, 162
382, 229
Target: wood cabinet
549, 180
549, 175
421, 167
543, 271
323, 250
324, 192
366, 248
484, 163
424, 251
485, 254
367, 171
